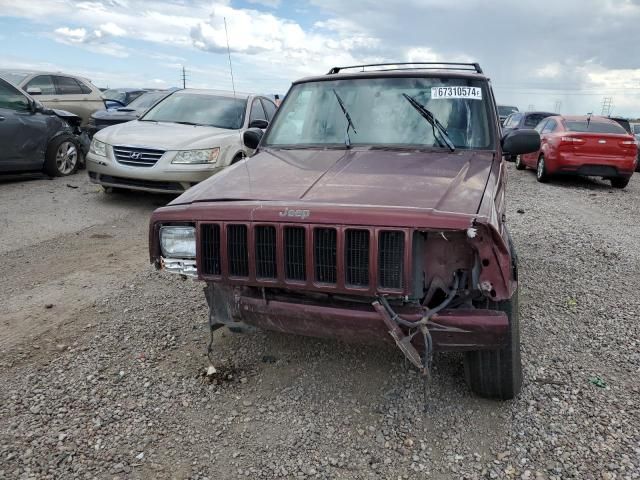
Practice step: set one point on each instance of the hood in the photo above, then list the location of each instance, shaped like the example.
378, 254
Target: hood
444, 181
163, 135
68, 117
117, 115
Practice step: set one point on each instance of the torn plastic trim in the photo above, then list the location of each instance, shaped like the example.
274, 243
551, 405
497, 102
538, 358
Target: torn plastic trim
179, 265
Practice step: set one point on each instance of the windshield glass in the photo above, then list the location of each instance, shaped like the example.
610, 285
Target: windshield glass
594, 127
200, 109
115, 95
504, 110
381, 114
532, 120
636, 129
146, 100
13, 78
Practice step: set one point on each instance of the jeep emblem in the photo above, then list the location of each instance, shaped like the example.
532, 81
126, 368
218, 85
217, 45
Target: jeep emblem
302, 214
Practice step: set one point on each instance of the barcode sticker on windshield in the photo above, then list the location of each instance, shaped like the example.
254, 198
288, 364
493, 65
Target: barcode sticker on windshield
474, 93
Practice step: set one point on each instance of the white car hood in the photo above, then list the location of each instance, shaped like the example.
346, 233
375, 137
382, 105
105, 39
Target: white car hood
165, 136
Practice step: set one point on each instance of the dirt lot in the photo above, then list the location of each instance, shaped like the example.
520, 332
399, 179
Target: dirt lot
101, 359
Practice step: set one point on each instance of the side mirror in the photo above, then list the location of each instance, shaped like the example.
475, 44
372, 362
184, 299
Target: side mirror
34, 91
518, 142
252, 137
259, 124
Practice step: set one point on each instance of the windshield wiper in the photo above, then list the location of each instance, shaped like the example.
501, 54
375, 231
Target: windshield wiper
435, 124
189, 123
347, 139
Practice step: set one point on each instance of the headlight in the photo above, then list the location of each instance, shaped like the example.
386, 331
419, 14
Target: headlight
178, 242
197, 156
98, 148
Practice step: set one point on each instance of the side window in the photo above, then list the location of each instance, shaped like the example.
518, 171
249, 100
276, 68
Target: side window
514, 120
269, 108
84, 88
43, 82
67, 86
541, 125
549, 127
12, 99
257, 112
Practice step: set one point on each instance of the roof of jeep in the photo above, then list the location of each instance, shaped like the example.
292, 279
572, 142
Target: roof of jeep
414, 72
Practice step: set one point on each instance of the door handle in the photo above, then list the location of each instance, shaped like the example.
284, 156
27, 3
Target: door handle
1, 119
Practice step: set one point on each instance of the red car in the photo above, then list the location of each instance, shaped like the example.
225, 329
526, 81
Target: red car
582, 145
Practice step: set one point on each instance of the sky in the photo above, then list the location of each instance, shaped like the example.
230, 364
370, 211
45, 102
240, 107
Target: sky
554, 55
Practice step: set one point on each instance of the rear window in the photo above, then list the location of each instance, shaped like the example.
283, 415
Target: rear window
532, 120
594, 127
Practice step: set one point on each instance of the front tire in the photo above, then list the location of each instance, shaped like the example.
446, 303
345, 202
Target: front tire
519, 164
62, 157
620, 182
541, 171
498, 373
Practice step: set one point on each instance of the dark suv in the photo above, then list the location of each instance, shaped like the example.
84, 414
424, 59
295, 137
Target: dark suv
373, 209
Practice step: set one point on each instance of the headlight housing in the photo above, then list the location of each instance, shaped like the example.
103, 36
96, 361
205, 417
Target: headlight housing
209, 156
178, 242
98, 148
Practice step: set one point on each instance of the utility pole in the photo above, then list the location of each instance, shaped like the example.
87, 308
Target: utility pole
558, 106
184, 77
607, 106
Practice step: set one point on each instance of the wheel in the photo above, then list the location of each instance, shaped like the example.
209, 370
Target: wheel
498, 373
510, 158
519, 164
541, 172
237, 158
620, 182
62, 157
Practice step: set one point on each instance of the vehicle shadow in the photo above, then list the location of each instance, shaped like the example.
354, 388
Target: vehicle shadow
126, 197
576, 182
22, 177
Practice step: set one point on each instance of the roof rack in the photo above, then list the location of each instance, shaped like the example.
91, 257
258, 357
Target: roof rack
472, 67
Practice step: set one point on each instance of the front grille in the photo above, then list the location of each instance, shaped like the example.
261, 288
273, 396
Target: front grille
266, 252
357, 258
237, 250
325, 245
390, 259
295, 264
210, 249
137, 157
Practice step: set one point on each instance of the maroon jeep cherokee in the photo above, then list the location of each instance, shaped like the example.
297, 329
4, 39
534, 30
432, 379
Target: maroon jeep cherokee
373, 209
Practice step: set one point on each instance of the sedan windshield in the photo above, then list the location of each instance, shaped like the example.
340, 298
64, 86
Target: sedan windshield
199, 109
147, 100
14, 77
382, 113
114, 94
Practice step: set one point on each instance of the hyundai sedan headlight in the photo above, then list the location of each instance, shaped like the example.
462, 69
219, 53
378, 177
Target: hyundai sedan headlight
178, 242
197, 156
98, 148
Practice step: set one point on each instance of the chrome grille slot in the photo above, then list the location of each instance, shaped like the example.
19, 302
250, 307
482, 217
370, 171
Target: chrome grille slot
210, 243
237, 250
325, 246
357, 258
295, 253
390, 260
136, 157
265, 238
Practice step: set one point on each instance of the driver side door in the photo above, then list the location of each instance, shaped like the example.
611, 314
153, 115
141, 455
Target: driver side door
23, 134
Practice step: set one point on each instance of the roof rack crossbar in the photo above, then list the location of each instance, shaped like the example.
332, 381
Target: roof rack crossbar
422, 66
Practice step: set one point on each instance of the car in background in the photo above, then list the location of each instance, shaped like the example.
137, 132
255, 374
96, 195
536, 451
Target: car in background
636, 130
121, 97
184, 139
519, 120
583, 145
36, 138
59, 91
504, 111
113, 116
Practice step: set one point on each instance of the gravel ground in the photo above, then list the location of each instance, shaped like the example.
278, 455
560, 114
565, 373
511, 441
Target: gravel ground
106, 379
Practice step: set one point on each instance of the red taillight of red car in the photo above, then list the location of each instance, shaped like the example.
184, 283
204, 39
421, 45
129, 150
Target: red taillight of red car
572, 140
628, 143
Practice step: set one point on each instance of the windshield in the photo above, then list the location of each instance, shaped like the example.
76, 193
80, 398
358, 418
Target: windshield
381, 113
594, 127
200, 109
118, 95
504, 110
14, 78
147, 100
636, 129
532, 120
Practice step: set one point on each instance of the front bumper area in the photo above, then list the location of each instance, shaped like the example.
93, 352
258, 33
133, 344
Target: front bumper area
163, 177
451, 330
